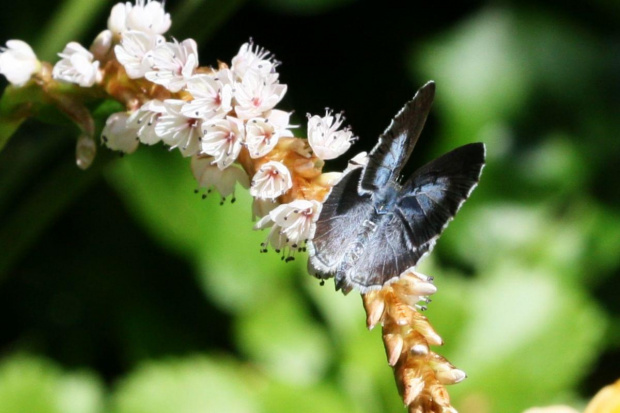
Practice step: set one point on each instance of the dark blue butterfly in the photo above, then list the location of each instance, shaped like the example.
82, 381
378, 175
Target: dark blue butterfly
372, 227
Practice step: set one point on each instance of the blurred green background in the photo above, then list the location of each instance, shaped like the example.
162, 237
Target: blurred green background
122, 291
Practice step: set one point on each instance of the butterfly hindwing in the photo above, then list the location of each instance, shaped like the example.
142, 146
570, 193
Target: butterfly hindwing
435, 192
396, 241
338, 224
384, 252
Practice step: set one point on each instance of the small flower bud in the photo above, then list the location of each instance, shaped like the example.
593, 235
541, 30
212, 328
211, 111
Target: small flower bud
101, 45
117, 135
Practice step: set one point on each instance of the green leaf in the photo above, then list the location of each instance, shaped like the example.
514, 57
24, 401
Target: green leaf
188, 385
34, 385
158, 188
281, 337
528, 337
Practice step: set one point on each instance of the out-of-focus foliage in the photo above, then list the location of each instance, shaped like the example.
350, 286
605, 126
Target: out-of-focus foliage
122, 291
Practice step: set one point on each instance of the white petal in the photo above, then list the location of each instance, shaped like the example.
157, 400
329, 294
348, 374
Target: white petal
117, 135
222, 139
260, 137
149, 18
145, 119
18, 62
207, 174
272, 180
134, 50
212, 97
256, 94
118, 18
77, 66
177, 130
251, 57
172, 64
326, 140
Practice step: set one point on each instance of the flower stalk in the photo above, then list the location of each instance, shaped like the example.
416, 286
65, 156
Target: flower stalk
420, 374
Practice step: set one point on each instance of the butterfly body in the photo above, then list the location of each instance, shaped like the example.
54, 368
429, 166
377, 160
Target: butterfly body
372, 227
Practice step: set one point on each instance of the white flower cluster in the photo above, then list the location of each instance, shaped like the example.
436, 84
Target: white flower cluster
210, 115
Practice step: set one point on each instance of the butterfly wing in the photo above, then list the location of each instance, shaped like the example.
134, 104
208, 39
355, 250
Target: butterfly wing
395, 145
338, 224
426, 204
381, 252
432, 196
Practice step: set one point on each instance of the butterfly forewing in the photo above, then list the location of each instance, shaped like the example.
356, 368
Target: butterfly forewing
338, 224
390, 154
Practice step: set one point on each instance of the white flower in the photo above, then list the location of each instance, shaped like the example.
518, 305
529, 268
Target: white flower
148, 17
117, 135
272, 180
18, 62
133, 51
173, 63
77, 66
252, 57
256, 94
293, 224
326, 140
262, 135
178, 130
145, 119
207, 174
212, 95
222, 138
117, 22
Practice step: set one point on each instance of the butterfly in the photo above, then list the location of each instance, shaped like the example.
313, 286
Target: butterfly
372, 227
